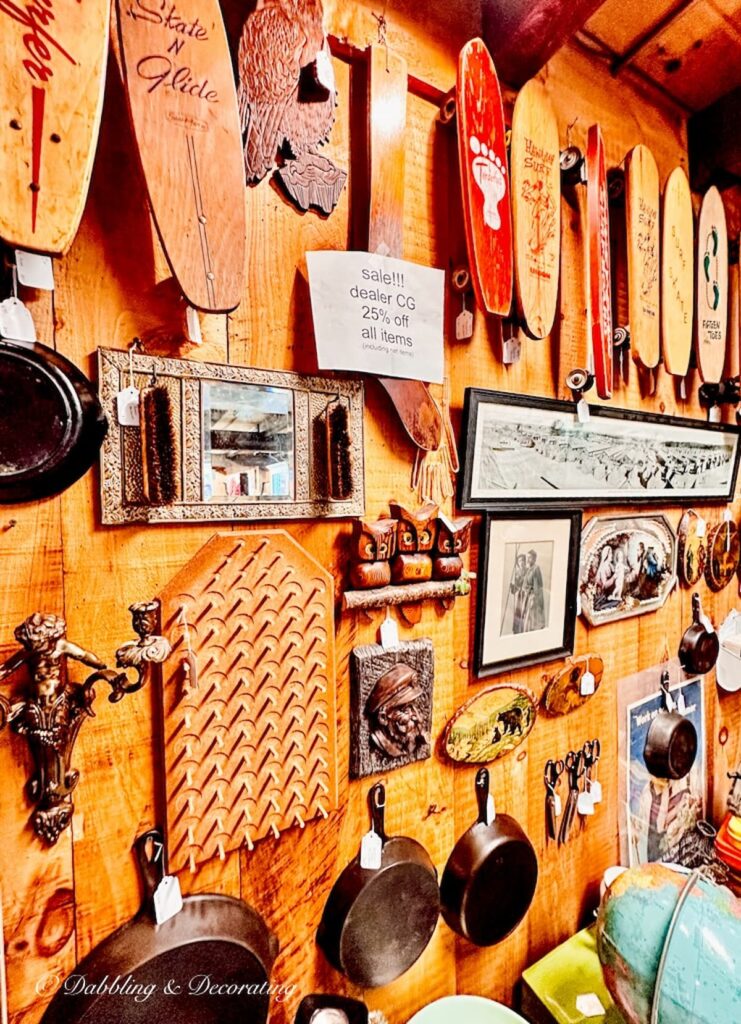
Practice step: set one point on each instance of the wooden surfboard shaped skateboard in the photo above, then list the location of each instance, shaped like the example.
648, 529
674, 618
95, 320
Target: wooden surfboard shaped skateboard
642, 229
183, 106
712, 288
485, 186
600, 291
387, 115
53, 57
536, 208
677, 273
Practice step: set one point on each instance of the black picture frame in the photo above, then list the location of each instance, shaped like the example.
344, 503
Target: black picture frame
667, 452
521, 514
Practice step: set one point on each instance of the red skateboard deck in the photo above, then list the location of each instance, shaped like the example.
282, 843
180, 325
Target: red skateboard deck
482, 156
600, 292
712, 288
183, 106
53, 59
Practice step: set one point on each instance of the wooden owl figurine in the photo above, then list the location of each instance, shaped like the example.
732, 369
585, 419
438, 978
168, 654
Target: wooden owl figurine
374, 542
453, 538
416, 531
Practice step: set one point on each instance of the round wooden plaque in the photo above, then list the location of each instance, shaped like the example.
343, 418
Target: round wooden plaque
491, 724
563, 693
723, 555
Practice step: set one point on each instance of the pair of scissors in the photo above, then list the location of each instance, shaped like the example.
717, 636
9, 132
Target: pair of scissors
551, 776
575, 766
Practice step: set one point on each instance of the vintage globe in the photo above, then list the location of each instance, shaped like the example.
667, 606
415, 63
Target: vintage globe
701, 980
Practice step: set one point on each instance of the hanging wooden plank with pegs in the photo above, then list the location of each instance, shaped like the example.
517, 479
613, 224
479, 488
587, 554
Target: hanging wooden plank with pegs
249, 735
536, 208
642, 228
677, 273
183, 106
51, 97
485, 187
600, 289
712, 288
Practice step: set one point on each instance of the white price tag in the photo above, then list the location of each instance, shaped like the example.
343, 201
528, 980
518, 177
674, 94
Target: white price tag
587, 684
389, 634
585, 803
590, 1005
714, 414
670, 702
168, 900
681, 703
34, 270
16, 322
127, 407
194, 325
511, 351
701, 527
582, 411
371, 851
557, 805
464, 325
595, 788
491, 811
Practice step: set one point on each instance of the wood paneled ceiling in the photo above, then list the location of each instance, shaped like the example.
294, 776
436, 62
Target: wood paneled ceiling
691, 49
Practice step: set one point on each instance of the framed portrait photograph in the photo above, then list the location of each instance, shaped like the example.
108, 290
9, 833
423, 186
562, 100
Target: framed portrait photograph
527, 586
518, 448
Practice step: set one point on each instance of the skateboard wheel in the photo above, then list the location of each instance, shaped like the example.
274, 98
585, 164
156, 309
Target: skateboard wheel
621, 337
579, 380
461, 280
571, 160
448, 109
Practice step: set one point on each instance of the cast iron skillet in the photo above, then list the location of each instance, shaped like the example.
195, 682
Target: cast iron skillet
671, 741
699, 647
213, 937
377, 923
489, 881
51, 422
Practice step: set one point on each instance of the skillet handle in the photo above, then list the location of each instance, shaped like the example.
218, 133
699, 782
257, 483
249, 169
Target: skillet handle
482, 795
377, 805
151, 855
696, 609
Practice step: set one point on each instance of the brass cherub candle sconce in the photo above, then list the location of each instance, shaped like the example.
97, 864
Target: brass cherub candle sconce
52, 709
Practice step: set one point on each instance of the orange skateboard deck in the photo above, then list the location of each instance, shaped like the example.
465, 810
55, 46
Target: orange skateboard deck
642, 229
712, 288
600, 291
183, 106
677, 273
536, 208
485, 187
53, 57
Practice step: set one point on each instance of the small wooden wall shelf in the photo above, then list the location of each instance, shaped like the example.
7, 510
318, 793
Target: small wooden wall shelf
402, 596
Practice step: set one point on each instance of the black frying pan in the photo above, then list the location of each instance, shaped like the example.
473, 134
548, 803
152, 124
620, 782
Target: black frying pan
699, 647
671, 741
489, 881
51, 422
378, 922
193, 965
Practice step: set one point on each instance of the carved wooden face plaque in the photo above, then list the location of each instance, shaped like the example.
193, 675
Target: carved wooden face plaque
391, 706
491, 724
691, 547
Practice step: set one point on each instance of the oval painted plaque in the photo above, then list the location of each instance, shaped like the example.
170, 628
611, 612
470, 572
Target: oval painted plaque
536, 207
677, 273
485, 186
183, 106
53, 58
491, 724
724, 549
563, 692
600, 287
691, 547
642, 223
712, 287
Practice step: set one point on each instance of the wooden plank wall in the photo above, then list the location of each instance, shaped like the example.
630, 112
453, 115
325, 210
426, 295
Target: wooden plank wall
59, 903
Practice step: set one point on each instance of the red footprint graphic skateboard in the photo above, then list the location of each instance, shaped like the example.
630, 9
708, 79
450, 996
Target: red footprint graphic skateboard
712, 288
600, 292
53, 58
482, 156
536, 207
677, 273
183, 107
642, 228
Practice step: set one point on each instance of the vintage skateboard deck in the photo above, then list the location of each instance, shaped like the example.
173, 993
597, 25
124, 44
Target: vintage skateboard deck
642, 229
677, 273
51, 97
482, 155
183, 107
387, 119
600, 291
712, 288
536, 208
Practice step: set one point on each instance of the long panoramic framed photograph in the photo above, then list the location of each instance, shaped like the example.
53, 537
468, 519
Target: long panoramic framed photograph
517, 448
527, 586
